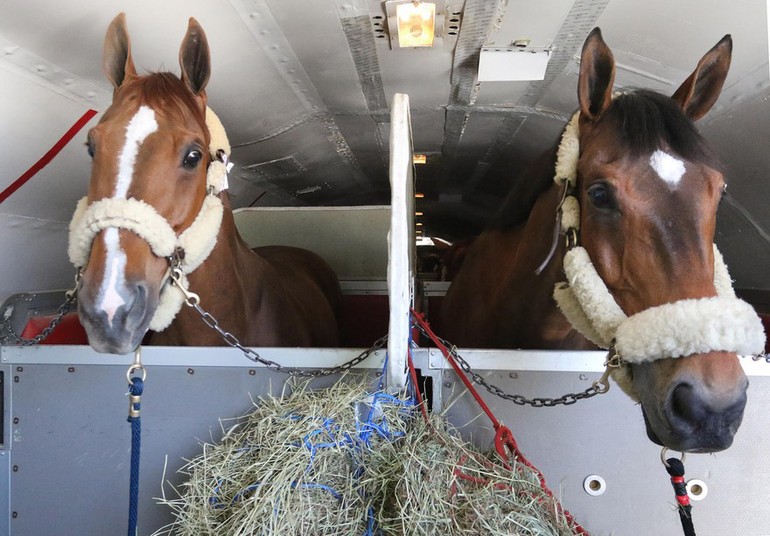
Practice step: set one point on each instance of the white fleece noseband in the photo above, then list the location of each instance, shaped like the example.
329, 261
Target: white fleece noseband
685, 327
197, 241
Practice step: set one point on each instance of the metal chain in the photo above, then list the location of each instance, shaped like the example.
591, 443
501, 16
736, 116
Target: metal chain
64, 308
193, 300
598, 387
232, 340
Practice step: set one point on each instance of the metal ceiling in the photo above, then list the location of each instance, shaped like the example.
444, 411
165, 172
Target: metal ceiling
303, 88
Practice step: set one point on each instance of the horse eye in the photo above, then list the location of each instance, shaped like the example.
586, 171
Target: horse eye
90, 148
192, 159
600, 196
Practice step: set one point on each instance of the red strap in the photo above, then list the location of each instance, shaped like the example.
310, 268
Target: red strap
47, 157
505, 443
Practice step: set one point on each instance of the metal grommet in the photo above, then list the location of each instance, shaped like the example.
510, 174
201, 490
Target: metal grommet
594, 485
697, 489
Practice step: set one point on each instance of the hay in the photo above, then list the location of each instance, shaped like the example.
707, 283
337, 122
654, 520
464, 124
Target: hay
343, 461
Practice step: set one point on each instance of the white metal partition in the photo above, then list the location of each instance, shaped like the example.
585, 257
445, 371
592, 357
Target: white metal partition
401, 239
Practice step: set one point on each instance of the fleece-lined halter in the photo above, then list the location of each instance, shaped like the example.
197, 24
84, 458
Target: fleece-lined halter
191, 247
684, 327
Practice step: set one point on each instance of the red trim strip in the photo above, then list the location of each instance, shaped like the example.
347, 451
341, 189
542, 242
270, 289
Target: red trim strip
47, 157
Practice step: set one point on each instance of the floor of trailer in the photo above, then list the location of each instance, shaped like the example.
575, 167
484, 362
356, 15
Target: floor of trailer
65, 440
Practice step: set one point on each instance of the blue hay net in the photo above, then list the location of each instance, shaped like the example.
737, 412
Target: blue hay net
371, 426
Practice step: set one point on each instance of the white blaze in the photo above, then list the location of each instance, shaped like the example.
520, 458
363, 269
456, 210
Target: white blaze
141, 125
667, 167
114, 275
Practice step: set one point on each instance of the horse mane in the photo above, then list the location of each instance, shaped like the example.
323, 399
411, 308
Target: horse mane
165, 93
644, 121
521, 198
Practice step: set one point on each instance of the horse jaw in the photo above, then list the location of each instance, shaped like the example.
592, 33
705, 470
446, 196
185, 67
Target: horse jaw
692, 404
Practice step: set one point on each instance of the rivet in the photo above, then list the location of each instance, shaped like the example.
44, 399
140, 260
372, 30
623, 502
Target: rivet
252, 372
71, 369
15, 420
19, 369
583, 376
447, 384
15, 468
190, 371
513, 375
15, 515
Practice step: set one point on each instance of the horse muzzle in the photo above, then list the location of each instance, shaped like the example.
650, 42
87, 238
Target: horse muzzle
694, 412
120, 327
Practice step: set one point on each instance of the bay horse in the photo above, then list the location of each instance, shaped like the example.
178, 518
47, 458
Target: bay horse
151, 203
647, 187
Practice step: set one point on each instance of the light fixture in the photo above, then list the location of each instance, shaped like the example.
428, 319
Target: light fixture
413, 23
418, 213
419, 195
416, 24
418, 224
513, 63
419, 158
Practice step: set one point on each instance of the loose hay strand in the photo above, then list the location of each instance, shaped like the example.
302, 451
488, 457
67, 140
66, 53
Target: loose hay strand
349, 461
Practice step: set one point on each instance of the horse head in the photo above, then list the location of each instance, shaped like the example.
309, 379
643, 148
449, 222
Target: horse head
150, 156
648, 187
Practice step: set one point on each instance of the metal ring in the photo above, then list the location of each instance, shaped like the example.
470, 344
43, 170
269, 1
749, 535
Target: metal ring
135, 368
663, 456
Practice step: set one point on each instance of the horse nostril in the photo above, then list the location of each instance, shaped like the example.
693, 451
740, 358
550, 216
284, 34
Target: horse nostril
686, 406
693, 408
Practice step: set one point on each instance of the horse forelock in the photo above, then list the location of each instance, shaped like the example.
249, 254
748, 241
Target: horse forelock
644, 121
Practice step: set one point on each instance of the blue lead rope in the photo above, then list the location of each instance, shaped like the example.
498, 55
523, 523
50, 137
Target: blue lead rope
136, 386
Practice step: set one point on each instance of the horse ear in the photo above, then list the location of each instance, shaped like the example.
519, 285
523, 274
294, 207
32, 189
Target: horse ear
597, 75
194, 58
701, 90
117, 62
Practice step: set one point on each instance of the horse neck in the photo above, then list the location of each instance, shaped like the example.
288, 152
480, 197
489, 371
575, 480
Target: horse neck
539, 324
224, 291
228, 261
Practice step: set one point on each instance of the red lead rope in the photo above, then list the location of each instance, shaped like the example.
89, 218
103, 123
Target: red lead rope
505, 443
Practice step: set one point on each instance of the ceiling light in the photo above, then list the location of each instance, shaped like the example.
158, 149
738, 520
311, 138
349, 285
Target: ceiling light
419, 195
419, 159
416, 24
412, 23
418, 213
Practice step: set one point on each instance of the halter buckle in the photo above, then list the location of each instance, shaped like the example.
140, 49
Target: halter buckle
176, 258
571, 238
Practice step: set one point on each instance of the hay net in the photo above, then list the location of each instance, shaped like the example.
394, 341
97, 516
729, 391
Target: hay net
351, 460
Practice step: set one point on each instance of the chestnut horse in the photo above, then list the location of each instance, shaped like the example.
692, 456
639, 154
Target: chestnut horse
648, 187
150, 156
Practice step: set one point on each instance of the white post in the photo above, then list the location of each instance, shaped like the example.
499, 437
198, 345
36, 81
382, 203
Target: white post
401, 243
